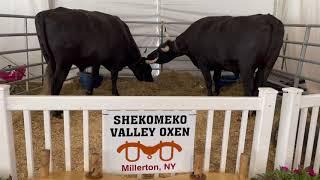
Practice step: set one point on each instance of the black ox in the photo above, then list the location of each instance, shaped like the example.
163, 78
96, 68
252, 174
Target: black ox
245, 45
82, 38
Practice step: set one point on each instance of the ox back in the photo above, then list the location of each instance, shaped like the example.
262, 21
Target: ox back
248, 45
83, 38
238, 44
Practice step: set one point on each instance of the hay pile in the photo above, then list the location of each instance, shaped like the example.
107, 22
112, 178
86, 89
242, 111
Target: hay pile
167, 84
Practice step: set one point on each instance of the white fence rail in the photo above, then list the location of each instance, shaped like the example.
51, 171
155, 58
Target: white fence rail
292, 131
264, 105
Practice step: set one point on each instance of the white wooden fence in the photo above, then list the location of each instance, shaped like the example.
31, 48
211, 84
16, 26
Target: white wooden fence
290, 141
264, 105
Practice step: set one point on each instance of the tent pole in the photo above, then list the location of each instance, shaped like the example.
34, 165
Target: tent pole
51, 4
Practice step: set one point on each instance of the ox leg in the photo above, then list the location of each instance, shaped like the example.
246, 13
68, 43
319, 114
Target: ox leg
95, 76
59, 77
207, 77
49, 72
114, 78
247, 80
216, 78
247, 77
258, 81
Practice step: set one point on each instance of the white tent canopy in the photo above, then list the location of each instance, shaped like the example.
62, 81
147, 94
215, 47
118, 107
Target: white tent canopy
301, 12
289, 11
138, 10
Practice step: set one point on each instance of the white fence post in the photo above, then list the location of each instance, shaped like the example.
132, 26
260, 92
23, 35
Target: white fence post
262, 131
288, 127
7, 151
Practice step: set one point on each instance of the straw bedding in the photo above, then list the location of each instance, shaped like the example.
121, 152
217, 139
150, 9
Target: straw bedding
167, 84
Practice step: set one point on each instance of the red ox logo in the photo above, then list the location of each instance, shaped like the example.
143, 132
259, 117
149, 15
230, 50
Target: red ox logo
148, 150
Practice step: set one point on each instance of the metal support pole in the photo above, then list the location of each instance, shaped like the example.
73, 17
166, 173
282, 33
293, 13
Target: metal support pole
302, 56
161, 40
42, 69
284, 59
275, 7
51, 4
161, 32
27, 53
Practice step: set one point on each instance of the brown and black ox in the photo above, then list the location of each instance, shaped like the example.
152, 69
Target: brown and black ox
245, 45
87, 39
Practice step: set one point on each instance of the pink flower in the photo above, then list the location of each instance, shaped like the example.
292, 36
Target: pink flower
284, 168
297, 171
311, 172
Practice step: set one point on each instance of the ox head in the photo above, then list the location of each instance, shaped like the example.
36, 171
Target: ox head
164, 53
142, 70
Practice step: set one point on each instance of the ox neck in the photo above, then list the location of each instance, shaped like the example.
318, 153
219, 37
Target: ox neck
178, 46
133, 65
175, 47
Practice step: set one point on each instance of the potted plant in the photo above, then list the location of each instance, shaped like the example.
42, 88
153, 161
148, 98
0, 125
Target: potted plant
6, 178
284, 173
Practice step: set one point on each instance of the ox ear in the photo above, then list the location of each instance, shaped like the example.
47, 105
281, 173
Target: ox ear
151, 61
165, 49
148, 61
167, 36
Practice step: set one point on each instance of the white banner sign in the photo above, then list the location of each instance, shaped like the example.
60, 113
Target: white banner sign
140, 142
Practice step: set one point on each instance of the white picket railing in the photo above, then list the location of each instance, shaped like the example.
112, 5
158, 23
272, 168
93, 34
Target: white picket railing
291, 134
264, 105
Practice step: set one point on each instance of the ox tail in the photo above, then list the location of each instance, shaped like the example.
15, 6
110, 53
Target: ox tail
46, 52
43, 41
276, 41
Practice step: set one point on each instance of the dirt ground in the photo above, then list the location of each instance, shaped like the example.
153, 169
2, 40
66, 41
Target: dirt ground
167, 84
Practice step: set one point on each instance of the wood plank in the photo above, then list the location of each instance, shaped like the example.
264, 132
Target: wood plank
67, 140
311, 135
301, 131
132, 103
242, 137
81, 176
208, 140
86, 151
28, 139
47, 134
225, 140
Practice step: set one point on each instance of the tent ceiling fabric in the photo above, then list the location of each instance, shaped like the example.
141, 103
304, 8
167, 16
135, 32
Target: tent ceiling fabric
301, 12
13, 25
168, 10
23, 7
289, 11
144, 10
137, 10
51, 4
181, 10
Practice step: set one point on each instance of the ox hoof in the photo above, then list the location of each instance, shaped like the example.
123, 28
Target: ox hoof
57, 114
88, 93
198, 177
116, 94
252, 113
210, 94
